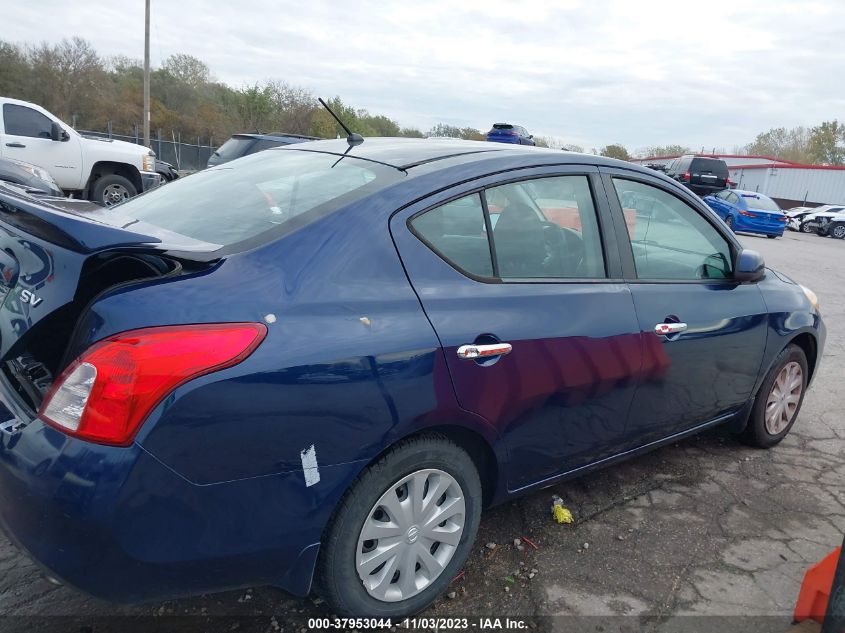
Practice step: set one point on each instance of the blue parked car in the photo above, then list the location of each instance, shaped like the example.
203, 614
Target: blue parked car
508, 133
314, 366
748, 211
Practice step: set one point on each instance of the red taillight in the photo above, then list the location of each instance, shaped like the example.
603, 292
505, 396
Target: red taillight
686, 177
747, 214
782, 218
106, 393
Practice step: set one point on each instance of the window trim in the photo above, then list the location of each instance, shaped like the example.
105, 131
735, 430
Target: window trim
605, 233
626, 251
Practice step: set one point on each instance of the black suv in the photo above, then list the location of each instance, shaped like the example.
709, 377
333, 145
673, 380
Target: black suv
700, 174
244, 144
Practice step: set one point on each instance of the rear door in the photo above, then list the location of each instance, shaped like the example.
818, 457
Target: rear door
710, 329
539, 332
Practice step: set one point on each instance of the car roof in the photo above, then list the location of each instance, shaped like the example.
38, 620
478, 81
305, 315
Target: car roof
407, 153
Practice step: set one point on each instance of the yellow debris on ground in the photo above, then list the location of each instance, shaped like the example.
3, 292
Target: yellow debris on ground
560, 513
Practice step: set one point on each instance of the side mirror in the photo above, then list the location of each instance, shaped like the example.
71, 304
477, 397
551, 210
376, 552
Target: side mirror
750, 266
530, 136
57, 133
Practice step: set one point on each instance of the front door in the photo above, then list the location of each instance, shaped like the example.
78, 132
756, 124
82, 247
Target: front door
710, 330
26, 137
538, 338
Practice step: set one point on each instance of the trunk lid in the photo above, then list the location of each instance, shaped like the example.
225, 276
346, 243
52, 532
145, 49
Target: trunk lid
55, 257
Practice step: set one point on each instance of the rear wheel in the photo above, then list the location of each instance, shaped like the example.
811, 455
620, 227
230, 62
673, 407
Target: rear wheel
778, 400
806, 228
771, 237
402, 532
838, 231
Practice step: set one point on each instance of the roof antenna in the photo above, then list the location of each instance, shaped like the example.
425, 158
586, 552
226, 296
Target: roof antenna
351, 138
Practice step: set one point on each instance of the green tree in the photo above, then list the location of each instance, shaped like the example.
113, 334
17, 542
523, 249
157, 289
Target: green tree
788, 144
827, 143
615, 150
664, 150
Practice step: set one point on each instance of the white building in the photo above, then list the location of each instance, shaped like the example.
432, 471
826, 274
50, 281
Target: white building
790, 184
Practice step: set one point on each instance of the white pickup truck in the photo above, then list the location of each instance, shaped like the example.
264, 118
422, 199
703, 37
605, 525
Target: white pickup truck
104, 171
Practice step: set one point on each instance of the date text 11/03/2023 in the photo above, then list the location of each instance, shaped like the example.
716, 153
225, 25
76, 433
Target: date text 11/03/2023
428, 624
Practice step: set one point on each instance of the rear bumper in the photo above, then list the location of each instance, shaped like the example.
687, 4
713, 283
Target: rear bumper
149, 180
749, 225
117, 524
513, 140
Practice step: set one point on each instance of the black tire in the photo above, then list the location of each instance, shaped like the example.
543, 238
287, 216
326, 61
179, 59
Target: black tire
107, 188
729, 220
805, 227
755, 433
771, 237
337, 579
838, 231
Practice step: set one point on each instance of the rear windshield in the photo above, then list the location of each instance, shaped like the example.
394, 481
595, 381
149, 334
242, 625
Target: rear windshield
277, 188
760, 202
234, 147
502, 126
712, 165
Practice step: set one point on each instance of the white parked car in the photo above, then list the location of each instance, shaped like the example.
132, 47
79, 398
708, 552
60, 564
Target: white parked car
102, 170
830, 223
804, 221
795, 214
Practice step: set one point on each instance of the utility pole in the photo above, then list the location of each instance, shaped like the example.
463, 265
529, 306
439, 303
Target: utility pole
147, 75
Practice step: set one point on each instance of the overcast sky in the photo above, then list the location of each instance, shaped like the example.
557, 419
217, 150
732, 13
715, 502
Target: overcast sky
590, 72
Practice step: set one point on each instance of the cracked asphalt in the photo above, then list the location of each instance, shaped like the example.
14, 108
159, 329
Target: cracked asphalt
703, 527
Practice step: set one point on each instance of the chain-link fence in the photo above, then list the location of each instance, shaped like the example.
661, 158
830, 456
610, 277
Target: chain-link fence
173, 149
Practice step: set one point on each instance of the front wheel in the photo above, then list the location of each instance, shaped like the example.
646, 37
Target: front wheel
112, 189
771, 237
806, 228
402, 531
730, 222
838, 231
778, 400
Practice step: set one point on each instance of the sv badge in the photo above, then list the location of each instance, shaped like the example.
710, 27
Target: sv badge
27, 296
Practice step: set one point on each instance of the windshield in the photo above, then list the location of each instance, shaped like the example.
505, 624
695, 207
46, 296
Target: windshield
237, 201
763, 203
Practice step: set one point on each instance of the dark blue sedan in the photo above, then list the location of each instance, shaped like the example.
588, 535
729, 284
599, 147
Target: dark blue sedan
748, 211
313, 367
509, 133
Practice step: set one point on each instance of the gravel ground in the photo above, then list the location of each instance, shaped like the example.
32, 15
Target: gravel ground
703, 527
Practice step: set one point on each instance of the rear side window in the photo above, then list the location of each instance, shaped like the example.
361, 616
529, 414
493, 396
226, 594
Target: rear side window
670, 239
23, 121
237, 201
544, 228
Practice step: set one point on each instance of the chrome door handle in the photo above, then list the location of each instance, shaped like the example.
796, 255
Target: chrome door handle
669, 328
15, 145
470, 352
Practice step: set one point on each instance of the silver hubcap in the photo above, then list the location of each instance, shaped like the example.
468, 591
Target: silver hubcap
784, 398
839, 232
410, 535
115, 194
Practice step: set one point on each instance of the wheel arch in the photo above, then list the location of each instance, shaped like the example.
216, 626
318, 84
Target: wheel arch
105, 168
